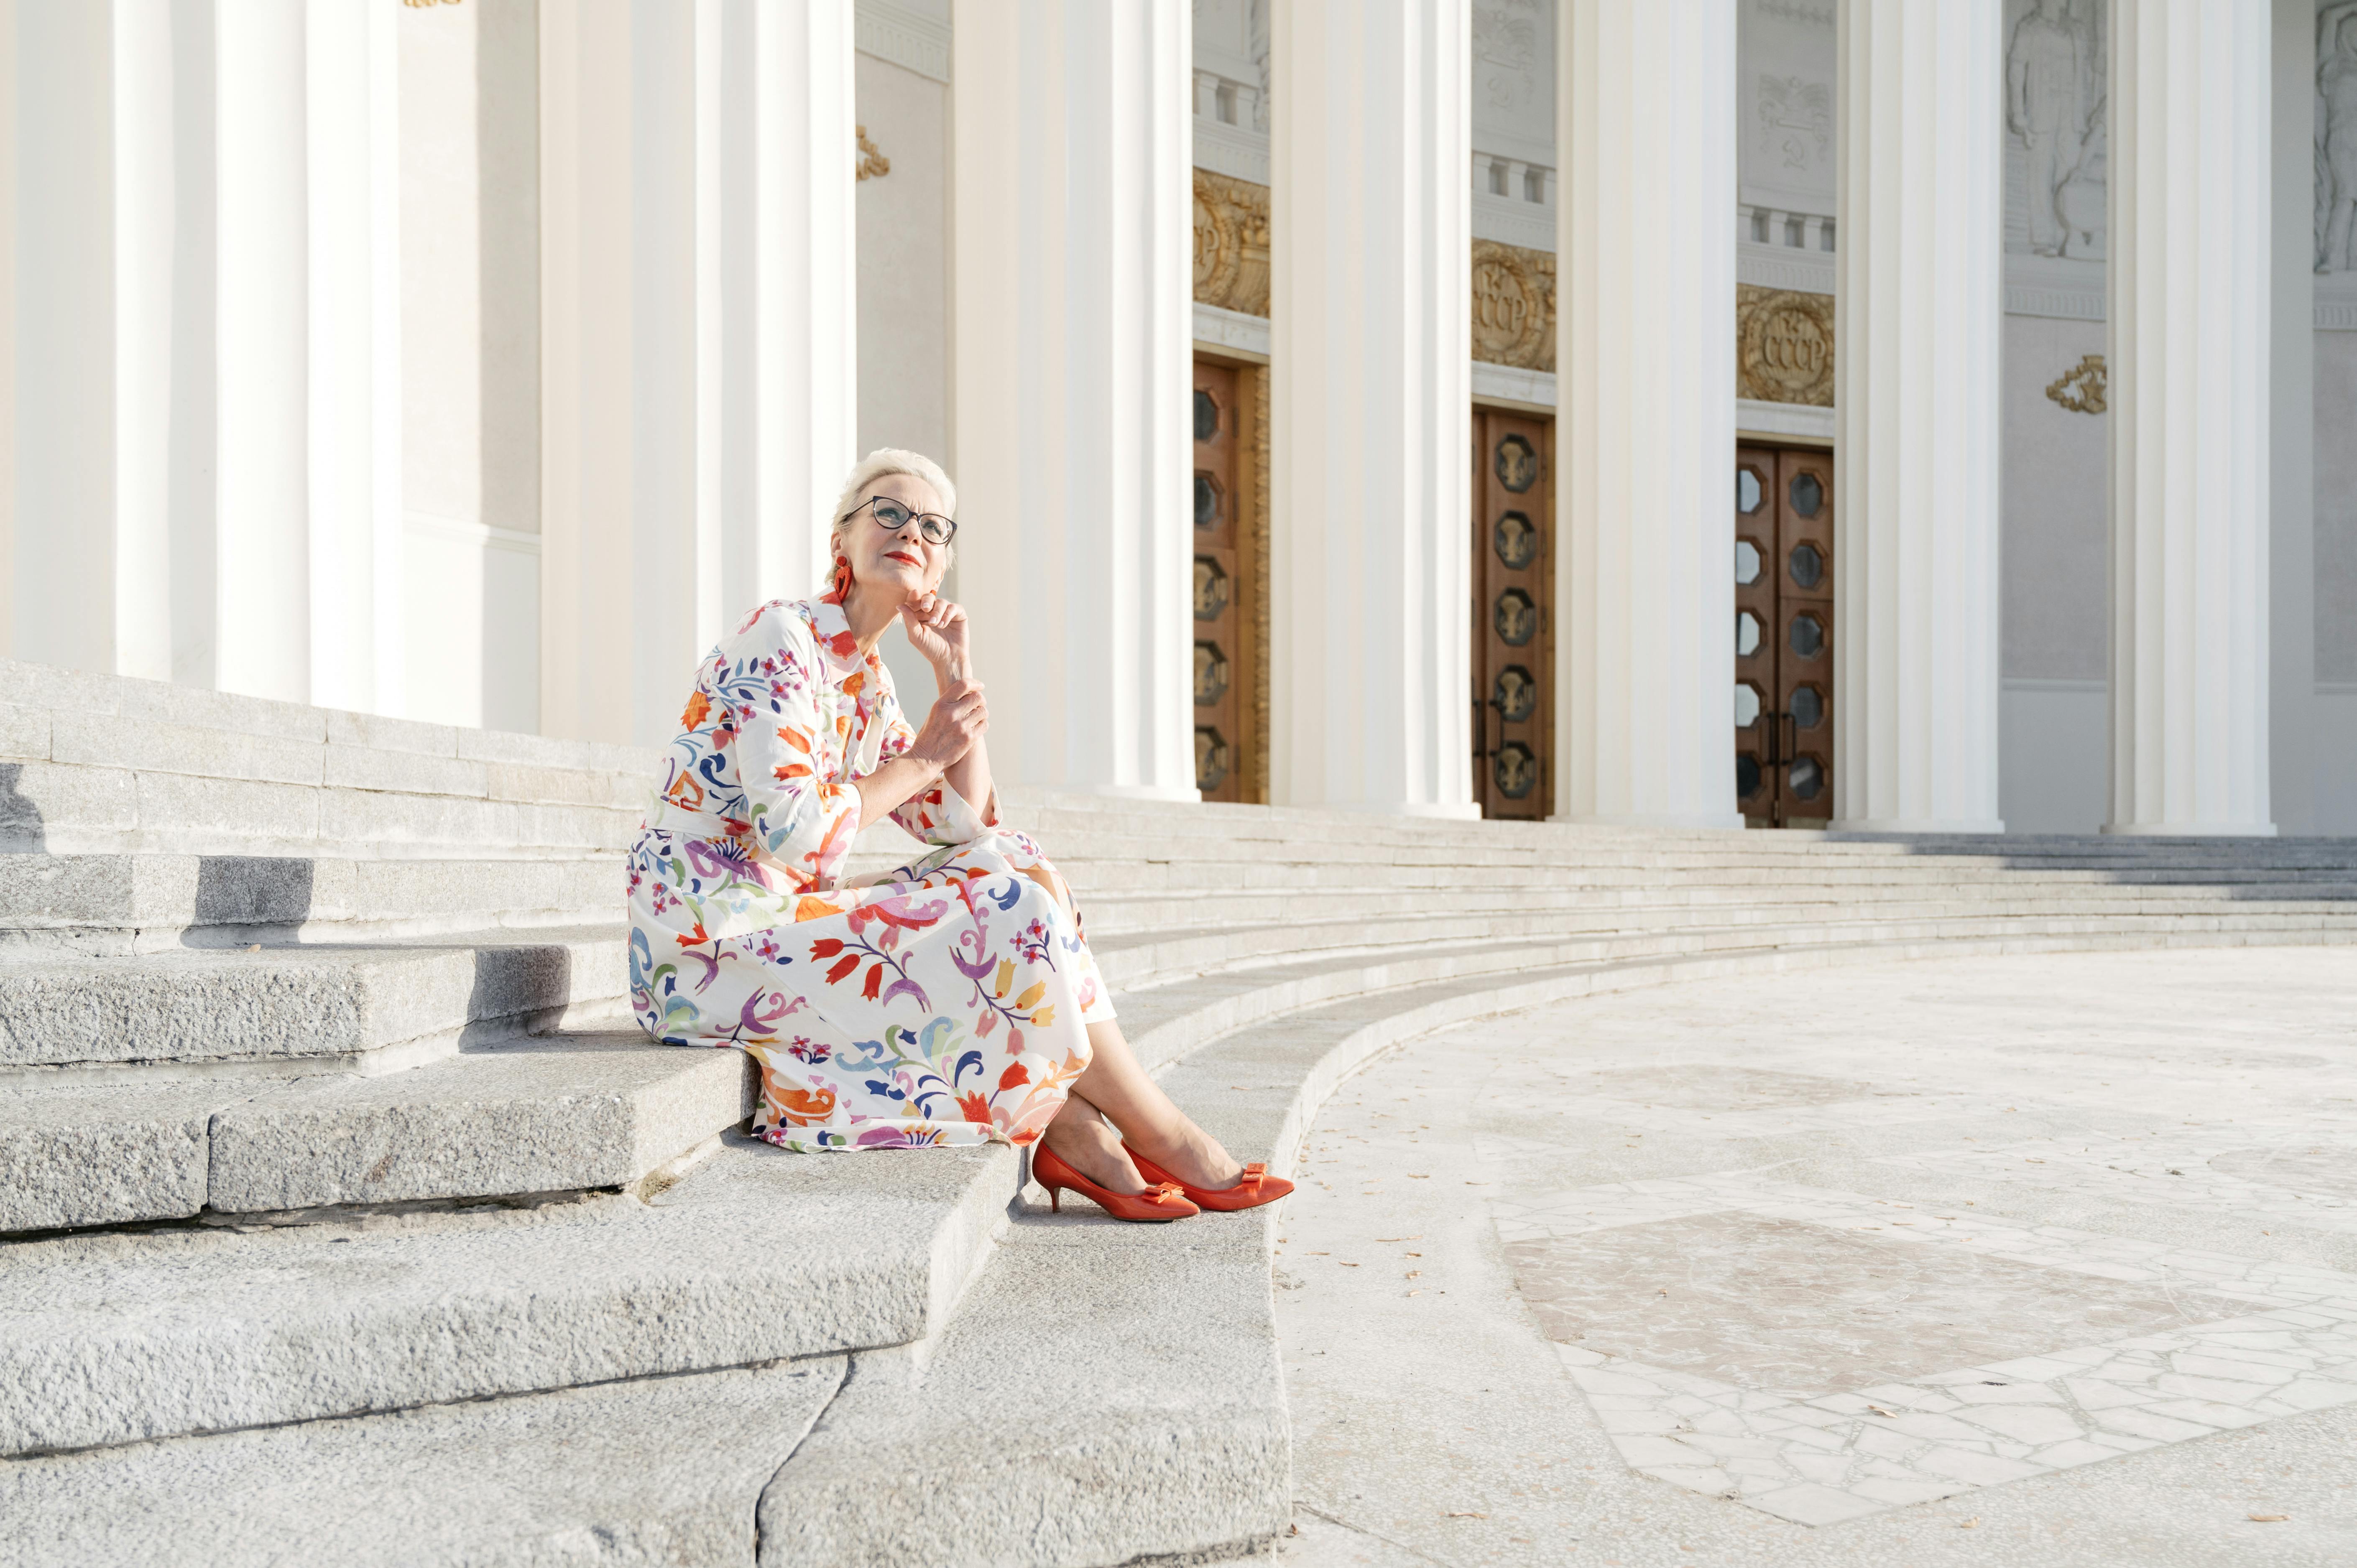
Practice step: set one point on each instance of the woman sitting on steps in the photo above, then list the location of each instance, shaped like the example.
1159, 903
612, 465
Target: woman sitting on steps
954, 1002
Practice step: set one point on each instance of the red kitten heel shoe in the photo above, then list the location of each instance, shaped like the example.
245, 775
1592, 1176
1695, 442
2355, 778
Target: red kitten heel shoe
1253, 1188
1154, 1206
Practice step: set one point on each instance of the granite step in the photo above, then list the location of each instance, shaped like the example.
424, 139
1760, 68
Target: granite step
543, 1116
649, 1473
104, 905
757, 1255
370, 1008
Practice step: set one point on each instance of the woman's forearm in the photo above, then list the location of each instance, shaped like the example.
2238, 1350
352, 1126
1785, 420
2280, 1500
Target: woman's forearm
893, 785
970, 777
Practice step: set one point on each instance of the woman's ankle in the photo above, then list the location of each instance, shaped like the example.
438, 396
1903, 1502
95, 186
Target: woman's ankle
1090, 1147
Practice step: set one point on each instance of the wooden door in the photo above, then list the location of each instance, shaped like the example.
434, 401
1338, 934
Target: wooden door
1513, 614
1784, 635
1225, 659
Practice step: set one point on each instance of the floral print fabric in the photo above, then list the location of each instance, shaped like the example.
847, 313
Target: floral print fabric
948, 1004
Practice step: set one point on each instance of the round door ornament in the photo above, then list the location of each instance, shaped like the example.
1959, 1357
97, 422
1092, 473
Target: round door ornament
1514, 769
1515, 618
1515, 693
1211, 761
1211, 674
1516, 541
1211, 589
1806, 636
1207, 415
1517, 464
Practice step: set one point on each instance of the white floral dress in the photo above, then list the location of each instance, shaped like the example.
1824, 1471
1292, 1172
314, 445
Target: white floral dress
948, 1004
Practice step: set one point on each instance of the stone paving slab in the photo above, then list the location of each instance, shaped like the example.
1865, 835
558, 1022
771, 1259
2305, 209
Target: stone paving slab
757, 1256
1412, 1302
645, 1474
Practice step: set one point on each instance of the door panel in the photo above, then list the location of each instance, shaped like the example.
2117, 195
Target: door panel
1224, 657
1513, 615
1783, 635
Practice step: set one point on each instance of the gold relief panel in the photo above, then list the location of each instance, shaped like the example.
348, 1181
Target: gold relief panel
1783, 346
1230, 243
1513, 305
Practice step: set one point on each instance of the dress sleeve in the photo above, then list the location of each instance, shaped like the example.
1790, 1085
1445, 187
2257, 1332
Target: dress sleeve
805, 820
938, 815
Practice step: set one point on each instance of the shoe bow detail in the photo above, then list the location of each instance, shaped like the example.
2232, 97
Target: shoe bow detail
1253, 1174
1164, 1192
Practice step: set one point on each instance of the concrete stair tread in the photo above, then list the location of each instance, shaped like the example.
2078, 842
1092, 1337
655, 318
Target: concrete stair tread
341, 1001
757, 1256
645, 1474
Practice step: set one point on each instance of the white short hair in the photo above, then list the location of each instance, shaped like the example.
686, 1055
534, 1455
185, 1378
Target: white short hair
883, 461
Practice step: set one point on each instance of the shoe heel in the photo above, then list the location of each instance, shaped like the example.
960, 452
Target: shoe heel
1055, 1201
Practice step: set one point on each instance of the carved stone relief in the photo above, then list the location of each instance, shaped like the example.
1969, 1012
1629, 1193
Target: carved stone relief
1513, 305
1783, 346
1509, 39
2055, 93
2336, 136
1796, 125
1230, 243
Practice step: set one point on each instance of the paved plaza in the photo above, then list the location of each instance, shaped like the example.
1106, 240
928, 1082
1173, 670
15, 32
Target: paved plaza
2023, 1261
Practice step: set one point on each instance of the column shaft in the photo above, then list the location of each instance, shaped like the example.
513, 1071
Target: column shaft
1072, 229
1370, 405
697, 345
1919, 325
2189, 393
1645, 434
263, 574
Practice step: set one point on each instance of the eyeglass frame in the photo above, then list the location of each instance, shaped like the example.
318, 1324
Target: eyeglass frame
949, 523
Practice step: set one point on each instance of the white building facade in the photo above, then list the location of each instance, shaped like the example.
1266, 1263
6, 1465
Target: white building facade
1852, 413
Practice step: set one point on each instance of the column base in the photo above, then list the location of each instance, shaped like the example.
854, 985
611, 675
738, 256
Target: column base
2192, 829
1924, 827
1665, 820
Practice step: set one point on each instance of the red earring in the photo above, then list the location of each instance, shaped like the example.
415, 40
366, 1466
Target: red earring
841, 579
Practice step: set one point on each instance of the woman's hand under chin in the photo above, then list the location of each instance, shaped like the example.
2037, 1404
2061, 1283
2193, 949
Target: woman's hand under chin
937, 629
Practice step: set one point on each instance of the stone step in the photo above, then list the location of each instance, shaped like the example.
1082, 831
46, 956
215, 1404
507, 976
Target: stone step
645, 1474
1140, 965
562, 1114
374, 1008
1118, 919
757, 1256
114, 904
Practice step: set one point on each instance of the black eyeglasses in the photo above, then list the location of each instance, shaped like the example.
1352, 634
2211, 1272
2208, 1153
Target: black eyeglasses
894, 517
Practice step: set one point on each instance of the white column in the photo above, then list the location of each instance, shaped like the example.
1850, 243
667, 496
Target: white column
1919, 320
1370, 405
353, 264
698, 350
62, 598
2291, 546
1645, 434
2189, 391
264, 568
146, 243
1072, 243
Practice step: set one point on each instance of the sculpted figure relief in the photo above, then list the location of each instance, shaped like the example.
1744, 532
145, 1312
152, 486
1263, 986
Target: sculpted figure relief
2052, 101
2336, 135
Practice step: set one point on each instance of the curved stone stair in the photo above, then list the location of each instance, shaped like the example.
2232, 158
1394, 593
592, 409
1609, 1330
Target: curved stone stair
332, 1195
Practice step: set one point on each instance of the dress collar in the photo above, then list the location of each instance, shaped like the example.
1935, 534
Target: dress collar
831, 629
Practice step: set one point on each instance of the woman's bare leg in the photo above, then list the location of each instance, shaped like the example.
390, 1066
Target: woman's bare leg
1116, 1085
